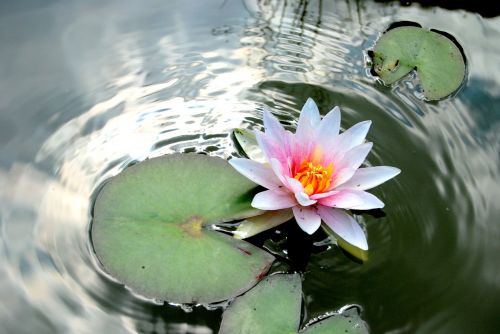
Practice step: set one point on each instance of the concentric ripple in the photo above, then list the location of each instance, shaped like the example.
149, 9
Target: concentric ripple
92, 87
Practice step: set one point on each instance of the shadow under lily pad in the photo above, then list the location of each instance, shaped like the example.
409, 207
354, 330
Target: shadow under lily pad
151, 230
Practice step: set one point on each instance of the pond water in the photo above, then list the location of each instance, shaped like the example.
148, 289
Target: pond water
89, 87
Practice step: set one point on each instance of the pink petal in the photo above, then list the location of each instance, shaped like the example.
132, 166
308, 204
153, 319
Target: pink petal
298, 152
344, 226
256, 172
329, 126
269, 147
351, 161
367, 178
278, 148
309, 113
354, 136
308, 120
348, 139
352, 199
307, 218
294, 185
342, 176
278, 170
304, 199
323, 195
263, 143
272, 126
355, 156
273, 200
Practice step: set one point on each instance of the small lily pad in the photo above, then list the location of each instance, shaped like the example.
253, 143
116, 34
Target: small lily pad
151, 230
438, 61
338, 324
273, 306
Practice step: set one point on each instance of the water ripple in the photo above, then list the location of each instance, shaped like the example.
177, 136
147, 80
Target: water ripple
160, 78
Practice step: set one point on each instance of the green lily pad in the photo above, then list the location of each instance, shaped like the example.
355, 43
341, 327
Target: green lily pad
273, 306
438, 61
338, 324
151, 230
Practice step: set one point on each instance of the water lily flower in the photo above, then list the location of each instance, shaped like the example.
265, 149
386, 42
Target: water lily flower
316, 172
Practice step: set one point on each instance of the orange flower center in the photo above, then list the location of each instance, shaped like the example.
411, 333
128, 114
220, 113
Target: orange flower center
314, 177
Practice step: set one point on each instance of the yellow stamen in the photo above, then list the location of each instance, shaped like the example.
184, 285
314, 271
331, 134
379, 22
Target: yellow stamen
314, 177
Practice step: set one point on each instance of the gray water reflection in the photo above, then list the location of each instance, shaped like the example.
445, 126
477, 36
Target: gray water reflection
90, 87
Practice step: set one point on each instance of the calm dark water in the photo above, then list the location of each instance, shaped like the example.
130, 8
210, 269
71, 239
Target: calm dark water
89, 87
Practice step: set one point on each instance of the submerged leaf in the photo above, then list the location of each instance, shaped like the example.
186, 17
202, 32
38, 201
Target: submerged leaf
246, 139
273, 306
438, 61
151, 230
254, 225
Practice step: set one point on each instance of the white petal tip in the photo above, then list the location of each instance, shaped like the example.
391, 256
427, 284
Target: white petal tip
307, 218
267, 113
310, 232
257, 204
391, 172
236, 162
310, 100
239, 235
378, 204
304, 199
360, 242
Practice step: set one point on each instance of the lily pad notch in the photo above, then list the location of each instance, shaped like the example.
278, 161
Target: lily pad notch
151, 230
436, 56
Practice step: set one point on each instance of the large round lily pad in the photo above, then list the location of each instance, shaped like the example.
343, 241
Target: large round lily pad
273, 306
438, 61
151, 230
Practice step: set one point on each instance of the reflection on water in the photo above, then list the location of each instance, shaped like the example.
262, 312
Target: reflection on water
91, 87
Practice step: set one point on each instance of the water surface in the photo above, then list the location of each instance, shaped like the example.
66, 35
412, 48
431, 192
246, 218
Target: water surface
89, 87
